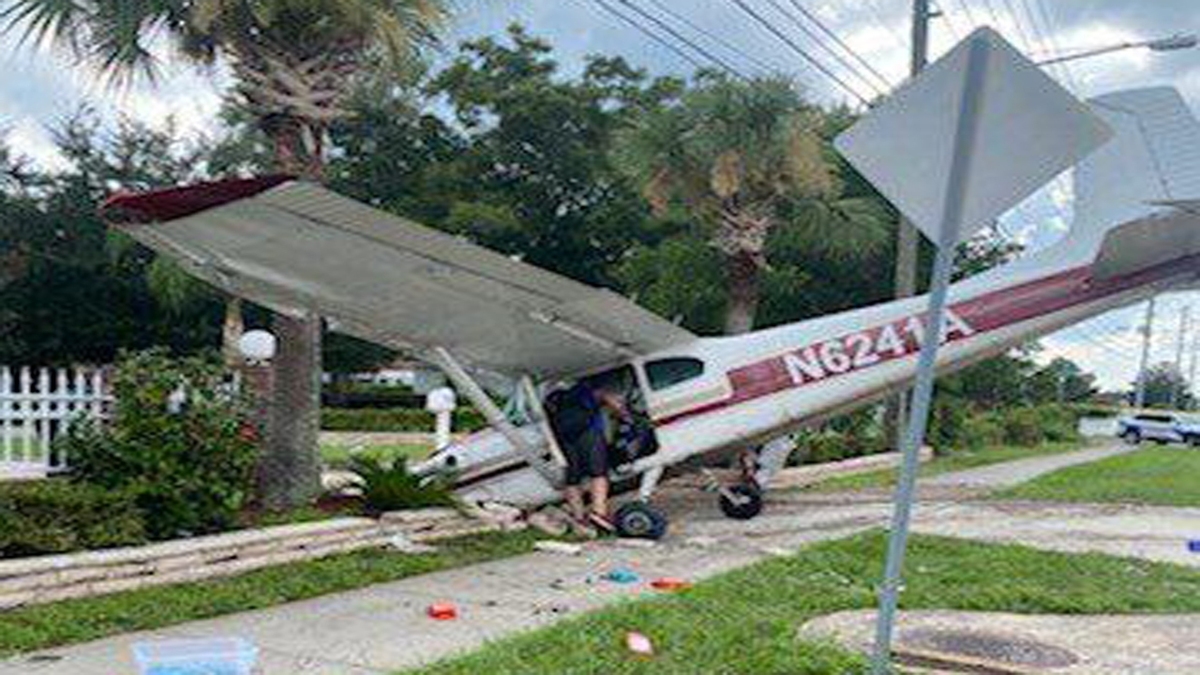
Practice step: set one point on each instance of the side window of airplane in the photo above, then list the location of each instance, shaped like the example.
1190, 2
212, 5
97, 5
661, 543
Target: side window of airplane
665, 373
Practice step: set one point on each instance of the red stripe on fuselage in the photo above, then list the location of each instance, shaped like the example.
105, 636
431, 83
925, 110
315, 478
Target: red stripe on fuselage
986, 312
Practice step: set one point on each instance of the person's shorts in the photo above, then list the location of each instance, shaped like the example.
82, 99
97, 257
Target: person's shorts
586, 457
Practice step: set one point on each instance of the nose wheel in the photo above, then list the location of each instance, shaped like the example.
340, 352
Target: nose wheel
741, 502
640, 520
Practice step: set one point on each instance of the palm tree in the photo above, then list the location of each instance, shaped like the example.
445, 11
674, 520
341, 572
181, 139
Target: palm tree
295, 64
743, 158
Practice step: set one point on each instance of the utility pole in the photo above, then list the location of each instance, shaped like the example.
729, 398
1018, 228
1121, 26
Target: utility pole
1139, 398
1183, 329
1191, 380
907, 238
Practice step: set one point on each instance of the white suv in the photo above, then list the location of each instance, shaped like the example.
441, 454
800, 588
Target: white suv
1164, 427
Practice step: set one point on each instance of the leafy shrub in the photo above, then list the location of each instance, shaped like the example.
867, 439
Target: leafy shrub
1023, 426
390, 487
55, 516
394, 419
981, 430
1060, 422
947, 423
189, 467
370, 395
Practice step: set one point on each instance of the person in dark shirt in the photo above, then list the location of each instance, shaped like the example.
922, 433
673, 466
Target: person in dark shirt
579, 418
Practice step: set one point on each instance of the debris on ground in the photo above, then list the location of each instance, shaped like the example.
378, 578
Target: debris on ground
507, 518
621, 575
639, 644
1194, 545
442, 611
777, 551
560, 547
550, 609
399, 542
670, 584
550, 520
633, 543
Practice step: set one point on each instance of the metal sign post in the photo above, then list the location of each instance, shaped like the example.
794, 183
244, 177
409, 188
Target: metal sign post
964, 144
954, 148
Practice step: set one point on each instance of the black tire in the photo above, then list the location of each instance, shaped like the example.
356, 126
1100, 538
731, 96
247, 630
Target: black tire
1193, 441
751, 502
639, 520
1132, 437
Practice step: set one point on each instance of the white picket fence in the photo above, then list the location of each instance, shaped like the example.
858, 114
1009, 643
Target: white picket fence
38, 405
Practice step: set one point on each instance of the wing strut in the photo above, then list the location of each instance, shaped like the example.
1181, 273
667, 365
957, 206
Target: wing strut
492, 413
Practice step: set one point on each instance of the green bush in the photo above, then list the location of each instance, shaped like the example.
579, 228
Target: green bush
1023, 426
394, 419
947, 423
1060, 422
189, 468
390, 487
55, 516
981, 430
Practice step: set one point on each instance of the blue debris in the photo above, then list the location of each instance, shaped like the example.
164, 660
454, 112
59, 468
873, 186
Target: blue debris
1194, 545
621, 575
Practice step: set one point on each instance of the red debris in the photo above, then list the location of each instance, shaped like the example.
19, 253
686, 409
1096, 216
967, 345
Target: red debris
670, 584
442, 611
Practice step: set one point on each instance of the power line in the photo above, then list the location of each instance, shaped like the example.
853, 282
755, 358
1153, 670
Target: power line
682, 38
969, 14
648, 33
841, 60
879, 17
713, 36
841, 43
813, 61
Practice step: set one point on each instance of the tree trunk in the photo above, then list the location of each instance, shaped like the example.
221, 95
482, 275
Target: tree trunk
290, 470
231, 332
745, 276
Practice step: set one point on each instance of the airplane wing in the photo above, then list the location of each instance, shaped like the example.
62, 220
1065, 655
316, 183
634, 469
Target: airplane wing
296, 247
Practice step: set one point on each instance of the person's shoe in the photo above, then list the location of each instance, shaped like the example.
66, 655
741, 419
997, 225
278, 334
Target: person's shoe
602, 524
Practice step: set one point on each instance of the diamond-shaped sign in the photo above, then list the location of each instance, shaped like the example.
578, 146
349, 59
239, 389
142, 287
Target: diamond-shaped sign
1030, 130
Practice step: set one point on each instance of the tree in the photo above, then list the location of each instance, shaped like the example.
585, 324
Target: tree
742, 159
1062, 380
1166, 387
295, 63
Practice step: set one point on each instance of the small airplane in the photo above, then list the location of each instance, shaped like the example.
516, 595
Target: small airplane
299, 248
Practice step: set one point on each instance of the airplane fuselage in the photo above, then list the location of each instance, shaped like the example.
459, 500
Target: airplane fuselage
766, 383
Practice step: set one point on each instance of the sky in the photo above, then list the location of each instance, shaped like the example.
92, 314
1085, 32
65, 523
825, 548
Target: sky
40, 88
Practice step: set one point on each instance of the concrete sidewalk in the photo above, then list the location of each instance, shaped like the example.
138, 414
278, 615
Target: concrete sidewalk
382, 629
1008, 474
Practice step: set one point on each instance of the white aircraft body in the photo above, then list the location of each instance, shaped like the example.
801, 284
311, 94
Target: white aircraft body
299, 248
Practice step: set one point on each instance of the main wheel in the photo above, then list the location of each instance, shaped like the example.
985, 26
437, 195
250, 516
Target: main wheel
1133, 437
749, 502
639, 520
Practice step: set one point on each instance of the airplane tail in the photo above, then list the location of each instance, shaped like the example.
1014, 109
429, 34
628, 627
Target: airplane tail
1137, 198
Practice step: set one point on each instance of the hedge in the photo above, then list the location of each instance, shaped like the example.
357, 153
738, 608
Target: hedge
55, 516
394, 419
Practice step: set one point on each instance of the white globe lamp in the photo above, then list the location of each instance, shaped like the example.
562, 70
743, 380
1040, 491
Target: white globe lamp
257, 346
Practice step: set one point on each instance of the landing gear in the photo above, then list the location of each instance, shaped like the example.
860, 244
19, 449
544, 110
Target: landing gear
640, 520
741, 502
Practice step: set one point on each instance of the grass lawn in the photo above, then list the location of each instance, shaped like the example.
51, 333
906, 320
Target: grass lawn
1167, 476
958, 460
744, 621
41, 626
338, 456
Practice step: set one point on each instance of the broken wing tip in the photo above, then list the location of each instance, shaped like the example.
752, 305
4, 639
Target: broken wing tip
132, 208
